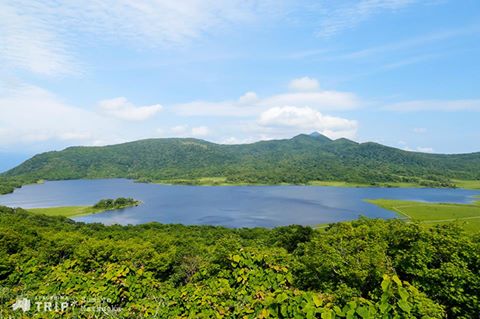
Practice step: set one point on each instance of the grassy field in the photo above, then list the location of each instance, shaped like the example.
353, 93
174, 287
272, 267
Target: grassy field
350, 184
222, 181
66, 211
435, 213
467, 184
74, 211
203, 181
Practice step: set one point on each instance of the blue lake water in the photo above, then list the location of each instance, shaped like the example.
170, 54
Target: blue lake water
231, 206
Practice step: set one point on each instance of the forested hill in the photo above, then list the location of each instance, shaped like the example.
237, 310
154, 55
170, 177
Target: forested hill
302, 159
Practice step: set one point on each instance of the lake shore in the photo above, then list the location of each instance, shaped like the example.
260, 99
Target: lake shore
221, 181
76, 211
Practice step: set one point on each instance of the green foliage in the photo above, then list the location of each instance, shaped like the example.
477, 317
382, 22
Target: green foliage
118, 203
361, 269
8, 184
289, 237
300, 160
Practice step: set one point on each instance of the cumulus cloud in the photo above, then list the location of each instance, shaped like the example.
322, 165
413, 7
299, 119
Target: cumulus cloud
121, 108
306, 119
304, 84
323, 100
30, 114
248, 98
436, 105
184, 131
250, 104
34, 118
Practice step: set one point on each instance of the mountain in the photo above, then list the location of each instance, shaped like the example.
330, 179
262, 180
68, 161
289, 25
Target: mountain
301, 159
320, 137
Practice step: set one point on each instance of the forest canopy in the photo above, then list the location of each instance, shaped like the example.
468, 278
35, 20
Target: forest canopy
360, 269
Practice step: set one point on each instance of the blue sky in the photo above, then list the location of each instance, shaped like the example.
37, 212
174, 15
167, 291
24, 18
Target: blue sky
404, 73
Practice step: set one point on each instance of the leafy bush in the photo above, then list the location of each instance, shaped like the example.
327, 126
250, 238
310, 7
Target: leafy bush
361, 269
118, 203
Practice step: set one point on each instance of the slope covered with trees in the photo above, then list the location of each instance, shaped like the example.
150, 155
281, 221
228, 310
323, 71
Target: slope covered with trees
360, 269
302, 159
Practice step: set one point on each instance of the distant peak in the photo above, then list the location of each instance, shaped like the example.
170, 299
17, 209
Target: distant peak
319, 136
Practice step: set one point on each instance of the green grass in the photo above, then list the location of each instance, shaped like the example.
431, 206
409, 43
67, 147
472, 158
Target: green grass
435, 213
337, 184
75, 211
66, 211
351, 184
222, 181
203, 181
467, 184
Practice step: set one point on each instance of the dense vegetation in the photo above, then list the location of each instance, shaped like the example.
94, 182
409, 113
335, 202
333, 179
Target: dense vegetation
74, 211
121, 202
360, 269
302, 159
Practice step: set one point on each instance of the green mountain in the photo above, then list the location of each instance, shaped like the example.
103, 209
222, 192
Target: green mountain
301, 159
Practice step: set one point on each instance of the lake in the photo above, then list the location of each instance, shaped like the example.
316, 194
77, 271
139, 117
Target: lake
231, 206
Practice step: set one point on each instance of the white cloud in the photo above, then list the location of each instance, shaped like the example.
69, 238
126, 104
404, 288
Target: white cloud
161, 22
419, 130
338, 16
323, 100
416, 41
29, 43
29, 114
436, 105
250, 104
121, 108
246, 105
405, 147
306, 119
179, 129
200, 131
184, 131
304, 84
248, 98
425, 149
236, 140
35, 35
36, 119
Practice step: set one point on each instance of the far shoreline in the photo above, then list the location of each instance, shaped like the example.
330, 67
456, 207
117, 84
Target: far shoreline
459, 184
221, 181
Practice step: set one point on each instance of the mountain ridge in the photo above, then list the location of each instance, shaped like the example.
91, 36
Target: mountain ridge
302, 159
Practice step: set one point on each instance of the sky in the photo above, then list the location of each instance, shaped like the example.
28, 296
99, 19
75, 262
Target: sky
403, 73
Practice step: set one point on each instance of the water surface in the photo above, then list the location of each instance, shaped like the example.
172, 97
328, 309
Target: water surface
231, 206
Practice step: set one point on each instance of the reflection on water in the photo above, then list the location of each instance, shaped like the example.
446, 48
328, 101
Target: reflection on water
231, 206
